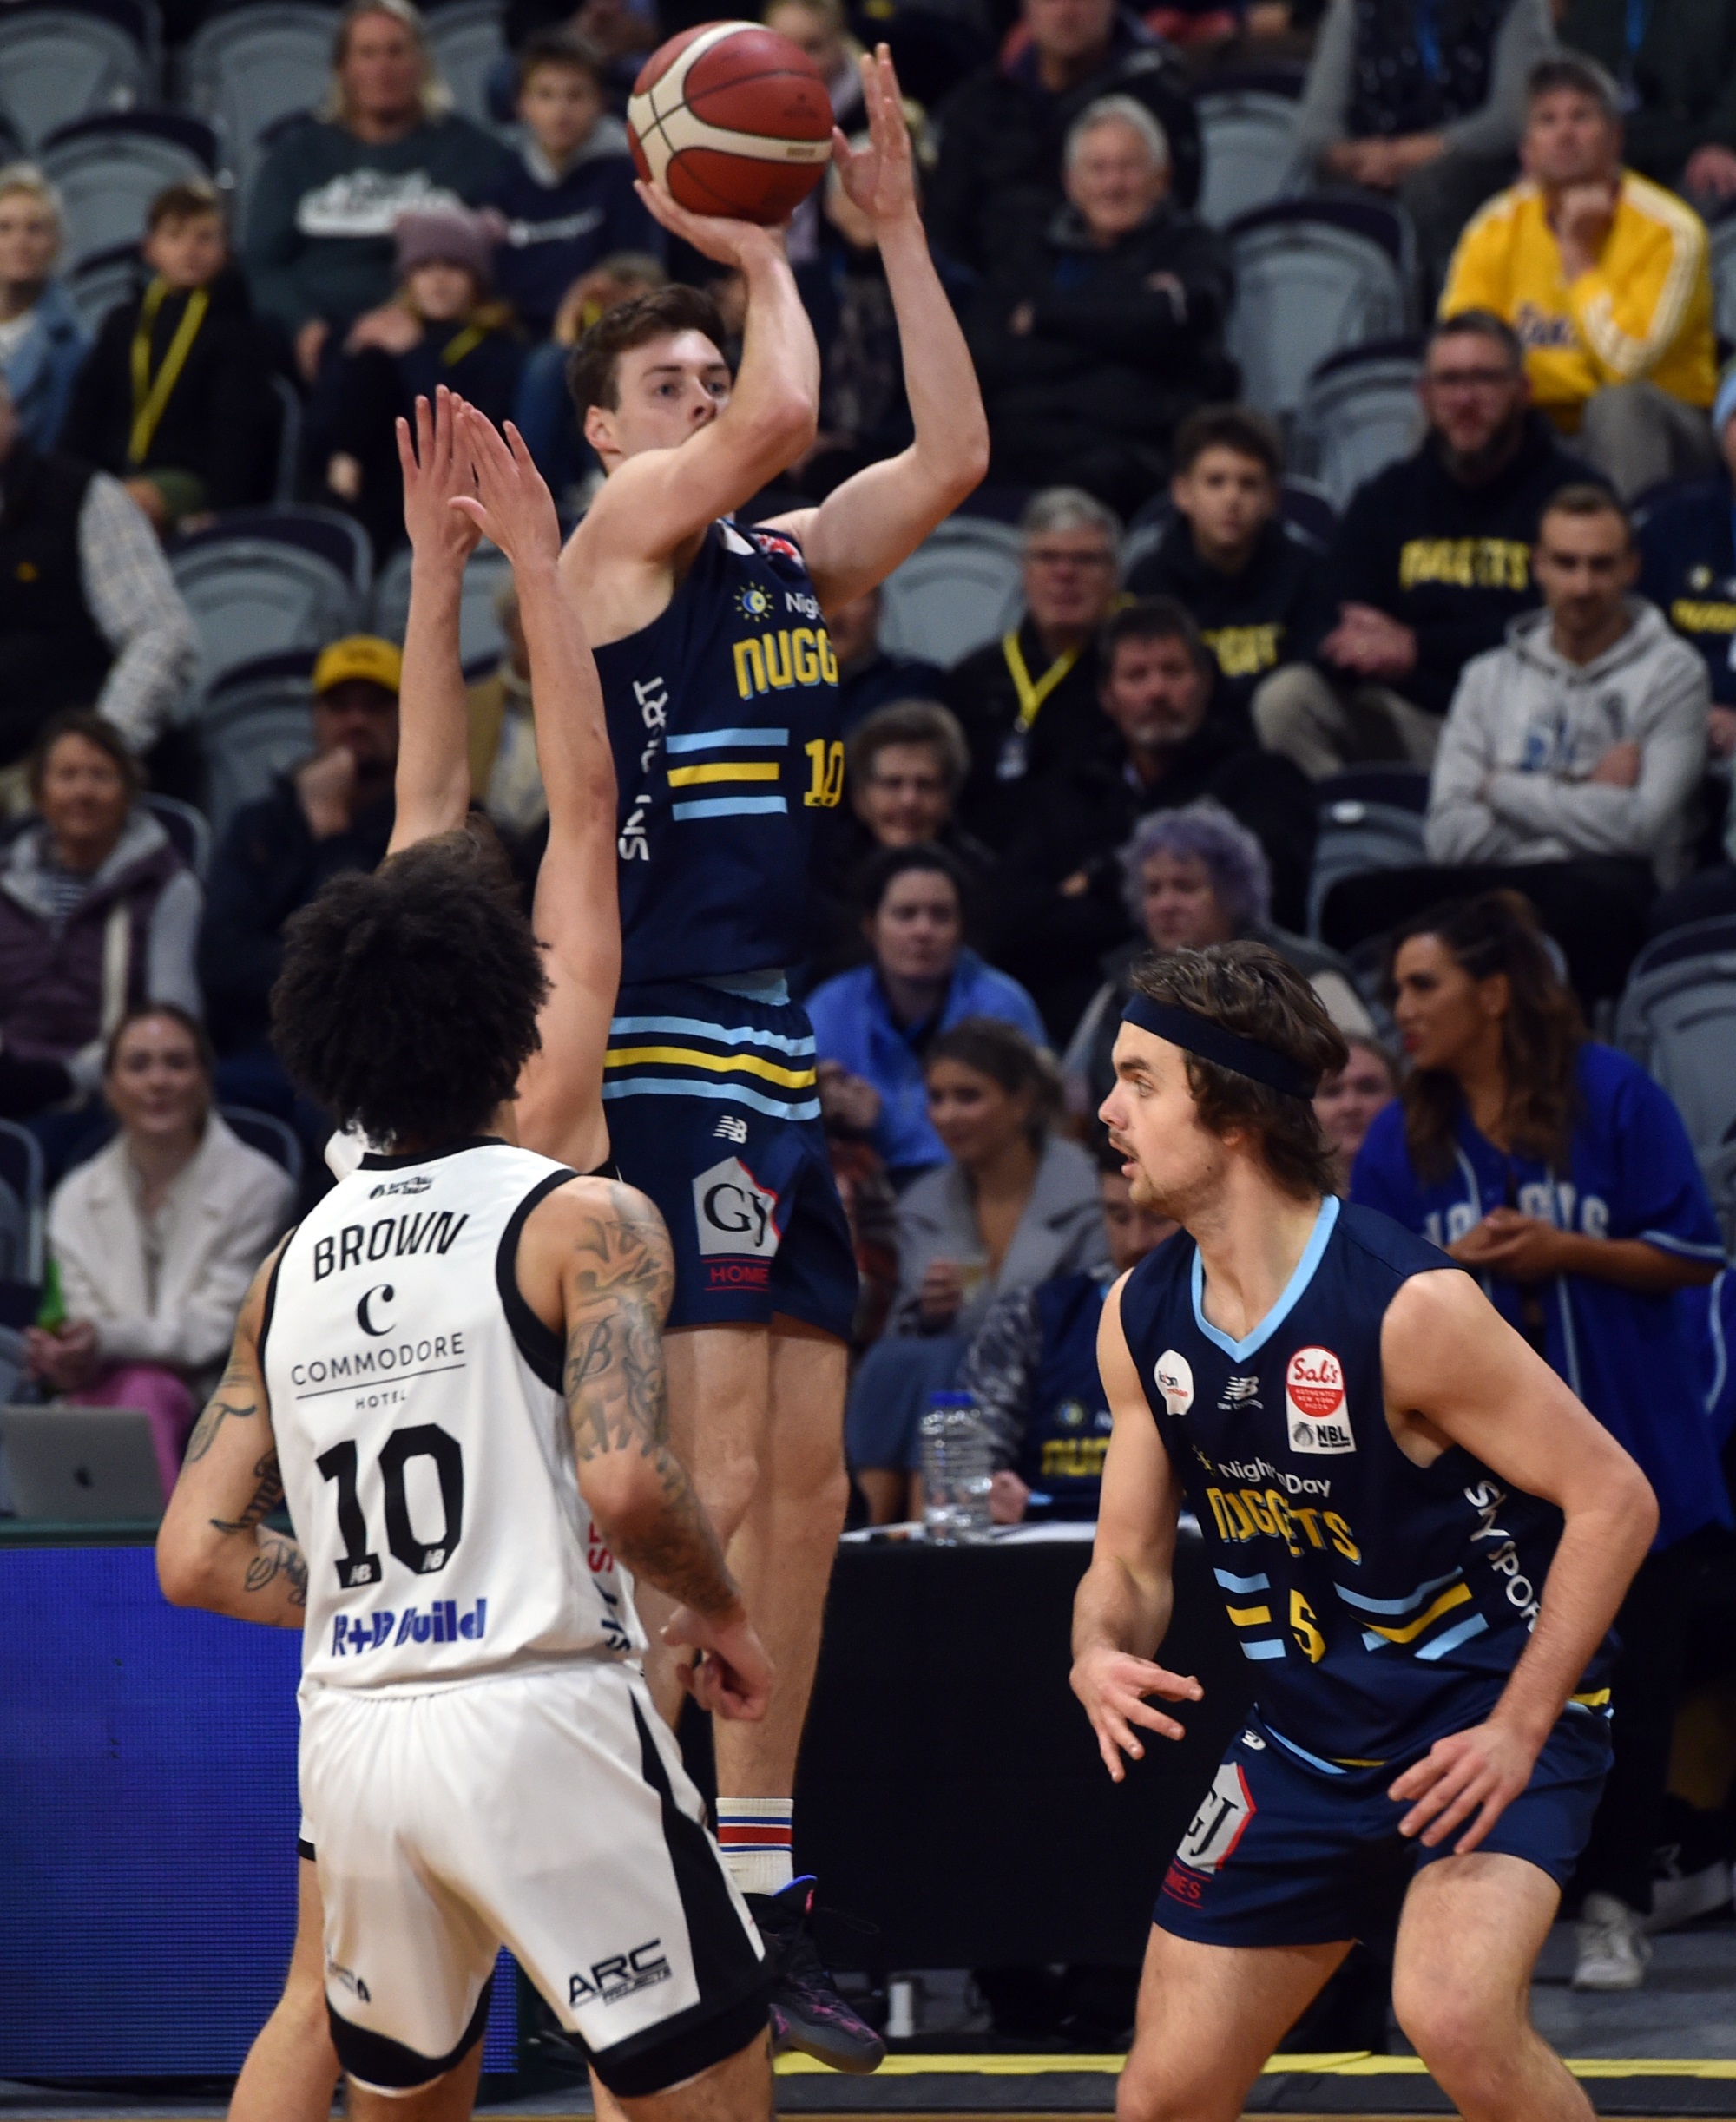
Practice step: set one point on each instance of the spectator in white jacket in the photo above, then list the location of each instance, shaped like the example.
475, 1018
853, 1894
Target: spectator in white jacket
1569, 761
157, 1238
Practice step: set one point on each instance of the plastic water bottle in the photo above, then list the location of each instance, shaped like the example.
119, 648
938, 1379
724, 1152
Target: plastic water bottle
956, 1471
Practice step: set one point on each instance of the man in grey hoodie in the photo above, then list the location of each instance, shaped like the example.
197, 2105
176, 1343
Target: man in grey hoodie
1568, 760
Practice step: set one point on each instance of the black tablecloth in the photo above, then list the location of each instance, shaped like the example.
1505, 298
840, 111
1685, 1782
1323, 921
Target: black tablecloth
951, 1800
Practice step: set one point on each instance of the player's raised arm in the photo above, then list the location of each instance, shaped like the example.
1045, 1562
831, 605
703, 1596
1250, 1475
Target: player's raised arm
1457, 1373
213, 1549
858, 535
604, 1248
560, 1093
432, 785
656, 498
1120, 1612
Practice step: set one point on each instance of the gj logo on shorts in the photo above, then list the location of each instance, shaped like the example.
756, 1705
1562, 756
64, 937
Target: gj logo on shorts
737, 1221
1217, 1826
1316, 1411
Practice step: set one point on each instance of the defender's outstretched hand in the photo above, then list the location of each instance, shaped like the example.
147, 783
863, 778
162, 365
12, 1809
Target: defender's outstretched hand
507, 498
726, 242
880, 178
436, 468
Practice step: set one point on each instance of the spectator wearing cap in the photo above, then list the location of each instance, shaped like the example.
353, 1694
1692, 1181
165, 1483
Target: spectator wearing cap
1604, 276
1676, 67
330, 193
1027, 703
1059, 899
1422, 102
89, 614
444, 327
1431, 561
1100, 323
568, 200
1002, 129
1250, 582
172, 398
42, 341
334, 813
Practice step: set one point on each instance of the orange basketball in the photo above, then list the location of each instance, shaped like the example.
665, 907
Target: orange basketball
733, 119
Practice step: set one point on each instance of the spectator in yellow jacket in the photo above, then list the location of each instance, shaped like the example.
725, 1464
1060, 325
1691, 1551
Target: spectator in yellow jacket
1603, 275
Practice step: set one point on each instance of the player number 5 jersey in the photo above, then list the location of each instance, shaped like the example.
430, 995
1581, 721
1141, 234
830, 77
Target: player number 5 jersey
427, 1459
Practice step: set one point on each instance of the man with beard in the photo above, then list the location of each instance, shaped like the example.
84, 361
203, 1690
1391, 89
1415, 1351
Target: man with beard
1432, 559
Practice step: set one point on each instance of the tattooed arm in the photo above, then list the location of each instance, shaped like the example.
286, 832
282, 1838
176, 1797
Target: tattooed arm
597, 1256
214, 1549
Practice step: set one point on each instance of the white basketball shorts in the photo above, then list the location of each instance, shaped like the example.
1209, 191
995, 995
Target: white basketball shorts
547, 1811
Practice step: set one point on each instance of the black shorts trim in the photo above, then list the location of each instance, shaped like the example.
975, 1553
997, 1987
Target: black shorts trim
377, 2059
305, 1849
734, 1982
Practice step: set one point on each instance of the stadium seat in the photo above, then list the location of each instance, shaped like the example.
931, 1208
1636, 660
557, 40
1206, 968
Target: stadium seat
1248, 139
188, 829
97, 284
261, 580
1720, 1168
1371, 817
110, 167
288, 438
1721, 258
960, 588
245, 69
467, 39
1677, 1018
257, 721
266, 1132
65, 59
1360, 413
1313, 275
480, 639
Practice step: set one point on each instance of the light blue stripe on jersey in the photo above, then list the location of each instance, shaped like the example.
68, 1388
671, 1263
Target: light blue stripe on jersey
1451, 1640
1327, 1768
1395, 1606
729, 806
1262, 1649
1242, 1584
722, 1034
725, 739
731, 1093
1293, 1289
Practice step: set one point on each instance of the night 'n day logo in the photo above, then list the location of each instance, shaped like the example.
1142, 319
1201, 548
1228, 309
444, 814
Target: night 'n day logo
753, 602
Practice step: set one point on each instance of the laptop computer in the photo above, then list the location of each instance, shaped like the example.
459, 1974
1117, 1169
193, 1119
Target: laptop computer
82, 1464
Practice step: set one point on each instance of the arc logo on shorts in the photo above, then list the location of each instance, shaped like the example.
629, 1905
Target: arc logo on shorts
1174, 1376
736, 1219
1317, 1415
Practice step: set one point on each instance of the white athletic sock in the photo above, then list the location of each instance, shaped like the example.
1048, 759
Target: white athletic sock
754, 1836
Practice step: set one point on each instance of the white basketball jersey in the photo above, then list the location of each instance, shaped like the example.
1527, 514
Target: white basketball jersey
427, 1459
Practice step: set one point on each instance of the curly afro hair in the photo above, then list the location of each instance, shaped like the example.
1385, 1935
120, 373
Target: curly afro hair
408, 999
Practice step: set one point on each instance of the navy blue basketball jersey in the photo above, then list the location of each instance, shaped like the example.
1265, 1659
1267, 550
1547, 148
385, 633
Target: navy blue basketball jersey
1384, 1603
724, 718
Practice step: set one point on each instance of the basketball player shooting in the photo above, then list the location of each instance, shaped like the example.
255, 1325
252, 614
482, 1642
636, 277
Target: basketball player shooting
451, 1372
1420, 1536
721, 692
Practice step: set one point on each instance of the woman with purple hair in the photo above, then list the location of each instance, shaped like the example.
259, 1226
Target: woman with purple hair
1193, 877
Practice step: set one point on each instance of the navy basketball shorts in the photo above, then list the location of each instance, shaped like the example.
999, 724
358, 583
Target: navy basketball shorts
714, 1111
1282, 1853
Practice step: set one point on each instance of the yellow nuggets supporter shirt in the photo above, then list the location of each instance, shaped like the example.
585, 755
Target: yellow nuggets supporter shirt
1643, 314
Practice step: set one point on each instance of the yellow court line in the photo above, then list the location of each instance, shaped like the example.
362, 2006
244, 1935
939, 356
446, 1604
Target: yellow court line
725, 769
720, 1064
1349, 2063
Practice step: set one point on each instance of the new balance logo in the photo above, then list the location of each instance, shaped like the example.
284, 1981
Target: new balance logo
1237, 1392
731, 1129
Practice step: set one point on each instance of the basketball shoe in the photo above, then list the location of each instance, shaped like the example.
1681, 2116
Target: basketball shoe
807, 2012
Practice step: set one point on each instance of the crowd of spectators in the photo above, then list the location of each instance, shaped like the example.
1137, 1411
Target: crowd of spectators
1528, 619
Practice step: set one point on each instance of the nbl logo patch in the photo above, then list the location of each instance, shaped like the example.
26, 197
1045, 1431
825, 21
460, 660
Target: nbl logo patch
1316, 1408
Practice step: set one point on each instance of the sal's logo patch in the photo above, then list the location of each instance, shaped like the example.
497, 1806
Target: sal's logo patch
1174, 1376
1317, 1415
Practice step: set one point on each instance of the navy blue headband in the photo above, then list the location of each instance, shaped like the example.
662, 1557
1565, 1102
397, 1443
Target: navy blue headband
1187, 1030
